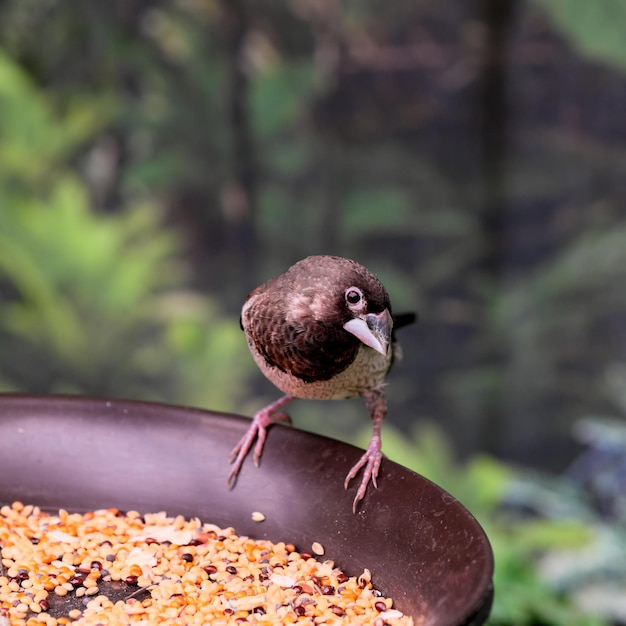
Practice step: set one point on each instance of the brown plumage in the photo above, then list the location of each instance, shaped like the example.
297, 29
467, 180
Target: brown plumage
321, 330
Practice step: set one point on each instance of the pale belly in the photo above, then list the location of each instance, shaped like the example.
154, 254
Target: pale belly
367, 371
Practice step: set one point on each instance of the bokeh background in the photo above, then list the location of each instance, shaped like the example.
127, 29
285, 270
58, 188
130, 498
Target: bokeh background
159, 159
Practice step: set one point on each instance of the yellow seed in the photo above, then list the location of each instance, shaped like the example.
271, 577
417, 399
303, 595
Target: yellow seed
194, 592
40, 595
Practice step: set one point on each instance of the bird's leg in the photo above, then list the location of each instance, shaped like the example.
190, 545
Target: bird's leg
257, 430
371, 460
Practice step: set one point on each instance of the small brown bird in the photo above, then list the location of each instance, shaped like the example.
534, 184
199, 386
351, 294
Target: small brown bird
321, 330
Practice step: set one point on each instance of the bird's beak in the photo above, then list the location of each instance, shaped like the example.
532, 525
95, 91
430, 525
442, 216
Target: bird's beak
374, 330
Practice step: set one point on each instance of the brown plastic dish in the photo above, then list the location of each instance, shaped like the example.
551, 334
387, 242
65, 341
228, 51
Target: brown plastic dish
422, 546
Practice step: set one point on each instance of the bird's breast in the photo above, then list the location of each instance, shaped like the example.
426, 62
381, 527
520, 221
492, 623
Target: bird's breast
366, 371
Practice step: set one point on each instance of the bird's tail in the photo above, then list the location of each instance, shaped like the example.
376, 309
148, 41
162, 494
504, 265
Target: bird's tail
404, 319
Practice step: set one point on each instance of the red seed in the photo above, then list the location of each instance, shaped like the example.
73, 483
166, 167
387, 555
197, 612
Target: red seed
380, 606
337, 610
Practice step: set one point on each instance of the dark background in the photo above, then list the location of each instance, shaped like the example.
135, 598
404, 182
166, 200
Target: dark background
471, 154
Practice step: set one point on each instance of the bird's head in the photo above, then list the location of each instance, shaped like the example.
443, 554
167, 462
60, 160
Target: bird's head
341, 291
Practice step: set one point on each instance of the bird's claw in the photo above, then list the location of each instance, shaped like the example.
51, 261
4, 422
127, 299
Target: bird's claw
370, 461
262, 434
256, 431
281, 417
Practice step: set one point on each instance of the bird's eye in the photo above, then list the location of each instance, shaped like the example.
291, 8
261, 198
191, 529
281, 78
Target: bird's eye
353, 296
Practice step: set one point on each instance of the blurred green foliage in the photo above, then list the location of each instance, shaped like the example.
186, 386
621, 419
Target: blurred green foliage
35, 138
597, 27
158, 160
95, 303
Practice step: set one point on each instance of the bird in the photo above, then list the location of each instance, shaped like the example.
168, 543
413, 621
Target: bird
321, 330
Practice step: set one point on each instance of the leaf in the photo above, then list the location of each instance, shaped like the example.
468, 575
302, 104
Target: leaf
596, 28
35, 137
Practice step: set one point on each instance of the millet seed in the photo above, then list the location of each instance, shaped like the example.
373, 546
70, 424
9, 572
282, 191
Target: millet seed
180, 573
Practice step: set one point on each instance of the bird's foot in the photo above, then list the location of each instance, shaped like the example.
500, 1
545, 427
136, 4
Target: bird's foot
370, 461
256, 431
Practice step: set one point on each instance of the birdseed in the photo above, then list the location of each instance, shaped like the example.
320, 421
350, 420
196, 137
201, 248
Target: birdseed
109, 567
